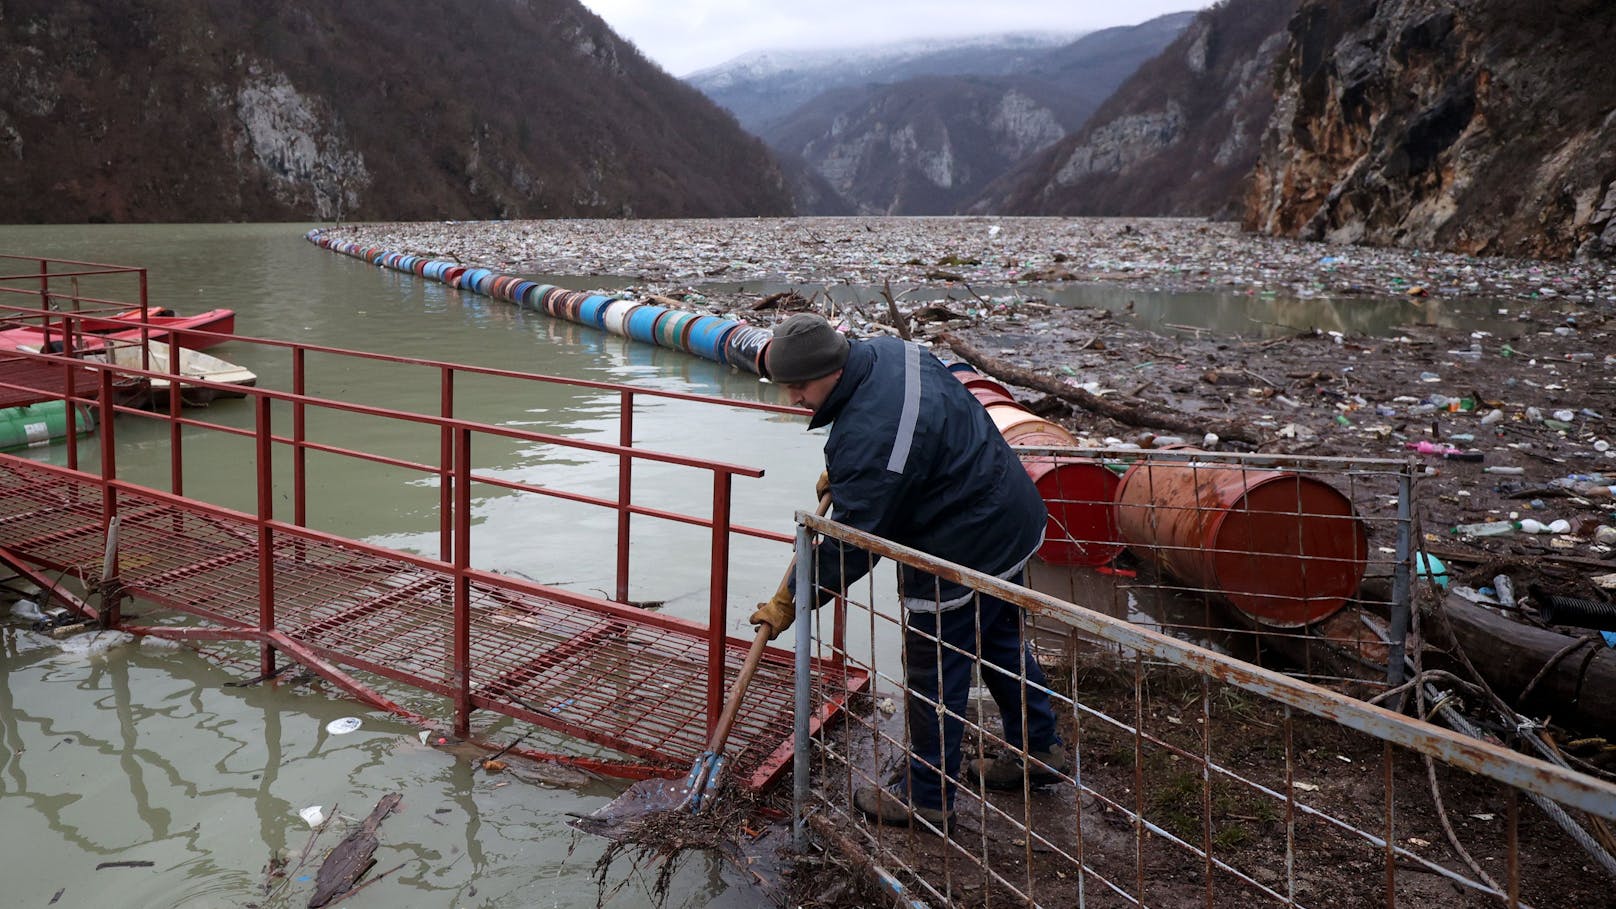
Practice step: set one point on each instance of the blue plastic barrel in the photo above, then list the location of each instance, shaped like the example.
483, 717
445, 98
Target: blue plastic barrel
642, 322
707, 337
592, 311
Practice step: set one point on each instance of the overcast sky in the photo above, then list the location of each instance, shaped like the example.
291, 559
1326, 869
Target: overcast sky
688, 35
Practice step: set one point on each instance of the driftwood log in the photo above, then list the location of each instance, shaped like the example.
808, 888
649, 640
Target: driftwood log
1575, 691
352, 857
1125, 410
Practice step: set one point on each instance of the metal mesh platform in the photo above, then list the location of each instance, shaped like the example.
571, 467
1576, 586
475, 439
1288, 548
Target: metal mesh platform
25, 380
604, 673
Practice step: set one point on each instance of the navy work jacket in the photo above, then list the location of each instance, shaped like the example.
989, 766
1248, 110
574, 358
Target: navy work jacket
914, 458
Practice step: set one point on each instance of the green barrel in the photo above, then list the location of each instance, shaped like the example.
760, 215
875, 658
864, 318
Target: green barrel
38, 424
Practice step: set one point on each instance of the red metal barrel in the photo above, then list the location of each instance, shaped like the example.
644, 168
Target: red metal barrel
1287, 550
1079, 495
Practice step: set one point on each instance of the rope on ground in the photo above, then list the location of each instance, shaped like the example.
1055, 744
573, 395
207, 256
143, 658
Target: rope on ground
1553, 661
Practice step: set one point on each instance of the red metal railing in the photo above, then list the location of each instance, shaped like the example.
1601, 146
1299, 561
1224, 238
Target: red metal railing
458, 439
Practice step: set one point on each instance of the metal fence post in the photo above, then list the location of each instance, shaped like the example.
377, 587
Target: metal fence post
625, 489
799, 763
1401, 588
717, 599
264, 462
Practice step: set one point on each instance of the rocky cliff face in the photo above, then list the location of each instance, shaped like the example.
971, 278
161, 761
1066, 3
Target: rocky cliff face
1480, 127
923, 146
1179, 137
929, 144
762, 87
142, 110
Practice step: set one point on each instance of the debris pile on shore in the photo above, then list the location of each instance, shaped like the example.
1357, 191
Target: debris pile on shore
1513, 423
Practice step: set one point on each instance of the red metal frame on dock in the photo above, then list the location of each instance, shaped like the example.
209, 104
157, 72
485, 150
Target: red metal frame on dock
647, 686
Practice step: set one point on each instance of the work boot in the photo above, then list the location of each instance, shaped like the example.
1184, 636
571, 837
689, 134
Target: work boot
886, 807
1004, 770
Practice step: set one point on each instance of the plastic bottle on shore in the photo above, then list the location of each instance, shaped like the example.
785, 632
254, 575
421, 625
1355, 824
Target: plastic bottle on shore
1594, 490
1485, 529
1572, 480
1511, 471
1531, 525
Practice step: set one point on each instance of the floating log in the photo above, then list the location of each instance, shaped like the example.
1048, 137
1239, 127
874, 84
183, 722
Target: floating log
352, 857
1123, 409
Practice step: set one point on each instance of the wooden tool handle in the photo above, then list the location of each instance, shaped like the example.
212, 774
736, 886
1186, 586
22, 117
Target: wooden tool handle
753, 657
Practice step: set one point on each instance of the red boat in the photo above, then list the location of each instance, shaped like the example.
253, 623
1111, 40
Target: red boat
127, 326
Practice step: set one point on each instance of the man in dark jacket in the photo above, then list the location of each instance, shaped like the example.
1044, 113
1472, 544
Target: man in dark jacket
912, 457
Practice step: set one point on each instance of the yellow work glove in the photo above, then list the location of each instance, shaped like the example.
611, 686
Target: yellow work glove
822, 488
777, 613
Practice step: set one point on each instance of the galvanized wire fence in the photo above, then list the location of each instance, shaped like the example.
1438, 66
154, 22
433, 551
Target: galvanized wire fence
1184, 775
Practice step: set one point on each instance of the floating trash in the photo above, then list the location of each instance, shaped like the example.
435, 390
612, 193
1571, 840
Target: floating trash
342, 726
314, 815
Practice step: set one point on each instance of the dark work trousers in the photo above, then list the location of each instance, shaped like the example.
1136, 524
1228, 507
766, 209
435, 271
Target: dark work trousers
946, 679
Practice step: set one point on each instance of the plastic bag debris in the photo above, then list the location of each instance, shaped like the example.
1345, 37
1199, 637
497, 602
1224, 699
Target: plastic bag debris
343, 725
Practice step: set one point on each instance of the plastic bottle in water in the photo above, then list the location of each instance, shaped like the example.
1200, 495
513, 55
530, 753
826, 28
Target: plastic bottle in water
1486, 529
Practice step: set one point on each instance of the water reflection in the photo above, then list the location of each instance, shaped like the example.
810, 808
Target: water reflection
1227, 313
141, 753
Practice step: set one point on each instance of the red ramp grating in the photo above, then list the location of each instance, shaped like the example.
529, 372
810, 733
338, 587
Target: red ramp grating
603, 673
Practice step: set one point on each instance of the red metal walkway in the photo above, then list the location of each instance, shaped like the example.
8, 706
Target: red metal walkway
646, 686
608, 674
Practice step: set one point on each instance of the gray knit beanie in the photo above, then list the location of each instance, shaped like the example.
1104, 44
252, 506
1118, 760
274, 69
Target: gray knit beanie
804, 348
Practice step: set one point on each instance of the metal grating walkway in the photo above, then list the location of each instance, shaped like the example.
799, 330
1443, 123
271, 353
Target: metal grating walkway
608, 674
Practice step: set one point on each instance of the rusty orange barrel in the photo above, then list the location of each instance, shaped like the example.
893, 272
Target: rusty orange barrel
1285, 549
1017, 422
